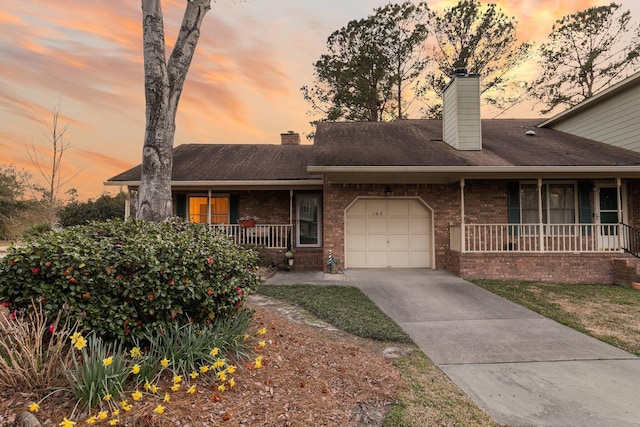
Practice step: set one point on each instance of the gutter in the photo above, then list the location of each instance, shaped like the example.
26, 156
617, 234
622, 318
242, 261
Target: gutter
244, 183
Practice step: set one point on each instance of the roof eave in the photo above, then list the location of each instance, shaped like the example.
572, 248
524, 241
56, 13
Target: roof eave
238, 183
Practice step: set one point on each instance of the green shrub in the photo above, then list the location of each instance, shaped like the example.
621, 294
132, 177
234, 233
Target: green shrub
122, 277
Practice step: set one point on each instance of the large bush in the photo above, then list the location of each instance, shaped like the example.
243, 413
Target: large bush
121, 277
104, 208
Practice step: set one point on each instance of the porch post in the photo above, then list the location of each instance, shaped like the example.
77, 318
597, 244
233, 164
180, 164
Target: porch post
621, 244
290, 245
127, 203
209, 207
540, 221
462, 230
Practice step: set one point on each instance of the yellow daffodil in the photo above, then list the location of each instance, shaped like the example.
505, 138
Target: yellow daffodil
221, 376
262, 331
146, 385
154, 388
166, 397
135, 353
136, 369
219, 363
221, 388
67, 423
108, 361
204, 369
113, 422
258, 362
127, 407
177, 379
231, 369
107, 397
262, 343
136, 395
102, 415
232, 383
123, 403
159, 409
246, 337
80, 343
165, 362
75, 336
34, 407
91, 420
193, 375
115, 412
192, 389
175, 387
214, 351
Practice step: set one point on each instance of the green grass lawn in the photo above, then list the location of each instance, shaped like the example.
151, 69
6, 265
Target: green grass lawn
608, 313
427, 396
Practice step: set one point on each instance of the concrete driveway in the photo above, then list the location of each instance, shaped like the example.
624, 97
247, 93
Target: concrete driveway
521, 368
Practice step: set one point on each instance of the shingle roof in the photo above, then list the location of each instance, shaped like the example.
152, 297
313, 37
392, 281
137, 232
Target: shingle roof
419, 143
234, 162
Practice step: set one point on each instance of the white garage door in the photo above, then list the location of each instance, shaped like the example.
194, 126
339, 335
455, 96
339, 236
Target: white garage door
388, 233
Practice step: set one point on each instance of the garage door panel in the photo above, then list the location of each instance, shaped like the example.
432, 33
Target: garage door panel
377, 259
357, 258
356, 226
399, 259
399, 241
357, 242
377, 208
377, 242
358, 209
398, 225
377, 225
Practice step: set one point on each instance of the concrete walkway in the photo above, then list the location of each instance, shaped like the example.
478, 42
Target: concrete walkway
521, 368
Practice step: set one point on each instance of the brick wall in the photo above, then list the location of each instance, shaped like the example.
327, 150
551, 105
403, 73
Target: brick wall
271, 207
596, 268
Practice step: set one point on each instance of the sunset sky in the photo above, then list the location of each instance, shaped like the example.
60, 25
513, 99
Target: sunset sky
243, 85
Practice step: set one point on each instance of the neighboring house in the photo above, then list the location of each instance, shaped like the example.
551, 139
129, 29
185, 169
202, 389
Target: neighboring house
482, 198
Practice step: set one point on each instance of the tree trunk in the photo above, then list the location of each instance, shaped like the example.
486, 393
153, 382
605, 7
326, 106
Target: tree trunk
163, 87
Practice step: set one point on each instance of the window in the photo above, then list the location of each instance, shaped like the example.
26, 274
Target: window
309, 219
219, 209
558, 203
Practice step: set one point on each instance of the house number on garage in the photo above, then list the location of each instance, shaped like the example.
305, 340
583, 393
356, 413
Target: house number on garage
377, 213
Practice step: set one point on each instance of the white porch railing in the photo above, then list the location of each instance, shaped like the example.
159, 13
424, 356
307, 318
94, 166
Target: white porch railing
536, 238
271, 236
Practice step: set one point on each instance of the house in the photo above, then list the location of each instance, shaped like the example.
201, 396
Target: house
501, 198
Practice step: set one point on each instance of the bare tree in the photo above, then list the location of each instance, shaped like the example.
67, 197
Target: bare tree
51, 169
163, 86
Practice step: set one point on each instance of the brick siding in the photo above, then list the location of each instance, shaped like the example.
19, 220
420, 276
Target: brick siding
594, 268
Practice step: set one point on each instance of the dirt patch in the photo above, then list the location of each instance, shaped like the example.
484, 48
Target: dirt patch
313, 375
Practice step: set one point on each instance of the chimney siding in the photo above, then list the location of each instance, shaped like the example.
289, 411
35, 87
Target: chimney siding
290, 138
461, 113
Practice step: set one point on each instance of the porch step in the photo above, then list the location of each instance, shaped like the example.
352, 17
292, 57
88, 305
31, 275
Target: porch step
626, 270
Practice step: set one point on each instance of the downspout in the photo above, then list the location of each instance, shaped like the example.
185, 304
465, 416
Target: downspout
462, 230
540, 221
290, 218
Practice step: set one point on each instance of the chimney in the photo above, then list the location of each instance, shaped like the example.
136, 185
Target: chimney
461, 112
290, 138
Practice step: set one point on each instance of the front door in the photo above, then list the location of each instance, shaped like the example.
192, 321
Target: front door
607, 216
